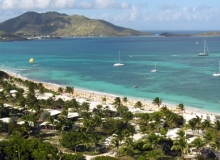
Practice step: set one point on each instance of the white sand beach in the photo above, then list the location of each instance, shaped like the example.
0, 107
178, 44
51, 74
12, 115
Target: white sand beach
95, 98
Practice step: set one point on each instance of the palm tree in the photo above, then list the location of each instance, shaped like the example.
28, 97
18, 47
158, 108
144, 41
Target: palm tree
174, 119
216, 145
197, 143
128, 147
181, 107
157, 101
64, 113
104, 100
131, 130
181, 134
180, 144
152, 140
144, 119
93, 139
60, 90
51, 121
138, 104
122, 109
116, 143
208, 138
127, 116
206, 124
69, 90
198, 122
156, 116
155, 154
85, 106
117, 102
191, 125
217, 125
2, 97
125, 100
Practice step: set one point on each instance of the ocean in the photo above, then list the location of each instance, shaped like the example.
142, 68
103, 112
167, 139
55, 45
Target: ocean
87, 63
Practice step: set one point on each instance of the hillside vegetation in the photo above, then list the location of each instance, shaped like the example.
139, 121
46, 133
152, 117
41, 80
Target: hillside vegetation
5, 37
56, 24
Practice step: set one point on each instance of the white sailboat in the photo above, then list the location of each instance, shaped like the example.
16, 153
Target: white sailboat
217, 74
205, 50
155, 68
118, 63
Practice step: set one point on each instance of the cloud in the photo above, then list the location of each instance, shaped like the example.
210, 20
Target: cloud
168, 7
62, 4
122, 13
133, 13
103, 7
103, 4
201, 8
36, 4
200, 17
188, 14
128, 15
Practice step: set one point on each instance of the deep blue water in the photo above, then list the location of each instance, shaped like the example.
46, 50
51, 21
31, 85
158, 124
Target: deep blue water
87, 63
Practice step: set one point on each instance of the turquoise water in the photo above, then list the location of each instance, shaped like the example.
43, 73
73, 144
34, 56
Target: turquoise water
87, 63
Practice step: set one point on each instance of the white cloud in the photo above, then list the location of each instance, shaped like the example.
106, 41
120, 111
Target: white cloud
105, 17
133, 13
7, 4
36, 4
125, 5
200, 17
128, 15
63, 3
168, 7
188, 14
103, 4
120, 13
86, 5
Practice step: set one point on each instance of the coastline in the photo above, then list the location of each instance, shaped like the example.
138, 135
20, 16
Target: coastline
97, 98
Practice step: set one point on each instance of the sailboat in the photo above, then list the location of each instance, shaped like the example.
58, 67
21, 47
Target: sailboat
217, 74
205, 51
118, 63
155, 68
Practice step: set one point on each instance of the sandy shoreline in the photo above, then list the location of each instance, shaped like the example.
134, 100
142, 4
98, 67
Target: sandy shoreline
97, 97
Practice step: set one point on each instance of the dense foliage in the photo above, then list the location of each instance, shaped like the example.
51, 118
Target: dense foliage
32, 149
94, 131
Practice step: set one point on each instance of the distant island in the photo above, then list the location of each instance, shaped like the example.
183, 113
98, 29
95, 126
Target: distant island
50, 25
168, 34
53, 24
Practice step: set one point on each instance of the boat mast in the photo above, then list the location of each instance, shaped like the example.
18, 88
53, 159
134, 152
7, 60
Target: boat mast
219, 67
119, 57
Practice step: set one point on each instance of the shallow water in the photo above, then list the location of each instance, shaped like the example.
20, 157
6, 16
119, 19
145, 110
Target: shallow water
87, 63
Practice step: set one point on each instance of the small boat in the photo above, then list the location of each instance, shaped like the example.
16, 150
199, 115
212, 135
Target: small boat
135, 86
155, 68
217, 74
118, 63
205, 50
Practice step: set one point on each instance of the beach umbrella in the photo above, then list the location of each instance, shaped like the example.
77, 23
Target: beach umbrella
31, 60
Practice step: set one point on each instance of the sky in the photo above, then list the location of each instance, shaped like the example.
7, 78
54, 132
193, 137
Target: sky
135, 14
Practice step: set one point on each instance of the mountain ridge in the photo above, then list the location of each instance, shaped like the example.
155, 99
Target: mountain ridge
57, 24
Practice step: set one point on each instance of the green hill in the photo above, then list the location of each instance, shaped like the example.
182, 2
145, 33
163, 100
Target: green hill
6, 37
56, 24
